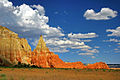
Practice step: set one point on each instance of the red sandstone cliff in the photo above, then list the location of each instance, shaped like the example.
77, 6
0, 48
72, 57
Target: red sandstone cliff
14, 49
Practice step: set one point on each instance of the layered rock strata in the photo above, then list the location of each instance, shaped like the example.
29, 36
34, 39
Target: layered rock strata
13, 48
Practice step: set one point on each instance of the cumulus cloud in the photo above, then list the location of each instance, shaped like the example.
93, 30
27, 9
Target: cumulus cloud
85, 54
65, 44
62, 44
89, 52
112, 40
27, 21
60, 50
79, 35
96, 47
117, 50
104, 14
80, 40
115, 32
93, 57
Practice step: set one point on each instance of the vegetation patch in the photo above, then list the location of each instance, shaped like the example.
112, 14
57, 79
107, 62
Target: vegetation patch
3, 77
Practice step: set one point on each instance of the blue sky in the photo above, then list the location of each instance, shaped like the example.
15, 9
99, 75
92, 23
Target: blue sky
76, 30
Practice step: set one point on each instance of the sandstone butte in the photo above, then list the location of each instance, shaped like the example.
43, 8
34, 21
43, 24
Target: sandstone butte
14, 49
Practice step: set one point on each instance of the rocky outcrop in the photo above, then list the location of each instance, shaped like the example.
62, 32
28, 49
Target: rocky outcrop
14, 49
42, 57
97, 65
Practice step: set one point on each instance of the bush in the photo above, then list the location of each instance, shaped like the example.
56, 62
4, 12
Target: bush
2, 75
104, 70
22, 65
34, 66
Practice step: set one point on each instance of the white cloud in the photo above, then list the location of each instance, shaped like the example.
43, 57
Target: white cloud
104, 14
90, 51
79, 35
62, 44
116, 49
85, 54
30, 22
27, 21
112, 40
79, 40
96, 47
40, 9
93, 57
58, 49
115, 32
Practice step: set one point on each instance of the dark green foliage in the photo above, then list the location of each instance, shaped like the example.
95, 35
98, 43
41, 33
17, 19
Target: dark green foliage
96, 69
104, 70
2, 75
22, 65
34, 66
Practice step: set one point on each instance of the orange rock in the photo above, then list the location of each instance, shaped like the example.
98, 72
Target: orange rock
98, 65
45, 58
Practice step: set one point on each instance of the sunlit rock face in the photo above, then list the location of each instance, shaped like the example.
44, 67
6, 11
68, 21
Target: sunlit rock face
13, 48
97, 65
42, 57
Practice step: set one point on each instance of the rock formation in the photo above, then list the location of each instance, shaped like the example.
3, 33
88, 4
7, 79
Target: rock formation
14, 49
97, 65
42, 57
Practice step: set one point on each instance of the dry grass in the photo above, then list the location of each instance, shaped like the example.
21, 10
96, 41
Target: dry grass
57, 74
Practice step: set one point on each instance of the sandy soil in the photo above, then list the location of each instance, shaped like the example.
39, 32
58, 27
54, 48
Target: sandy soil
57, 74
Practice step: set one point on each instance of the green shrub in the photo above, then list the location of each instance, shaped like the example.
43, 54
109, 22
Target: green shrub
104, 70
2, 75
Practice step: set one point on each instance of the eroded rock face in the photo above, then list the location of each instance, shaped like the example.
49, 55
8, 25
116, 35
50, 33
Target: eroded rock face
13, 48
42, 57
97, 65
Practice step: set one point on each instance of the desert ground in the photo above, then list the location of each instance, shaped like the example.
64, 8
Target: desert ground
58, 74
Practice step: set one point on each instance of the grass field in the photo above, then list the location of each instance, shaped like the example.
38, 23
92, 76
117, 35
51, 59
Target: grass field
58, 74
